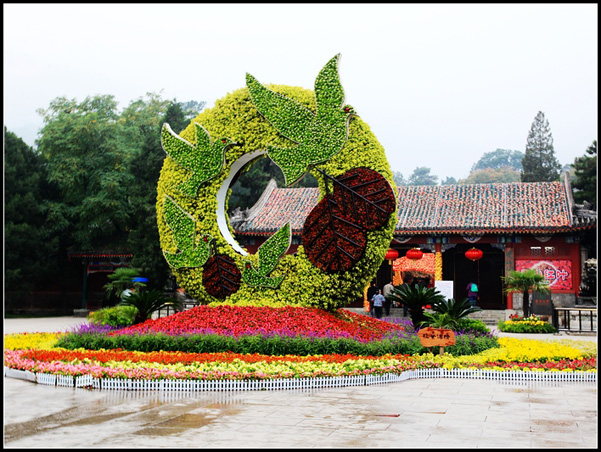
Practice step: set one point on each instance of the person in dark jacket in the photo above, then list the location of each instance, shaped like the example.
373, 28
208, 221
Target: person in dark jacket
371, 291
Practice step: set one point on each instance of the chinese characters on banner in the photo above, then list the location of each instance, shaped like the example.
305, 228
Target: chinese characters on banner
557, 272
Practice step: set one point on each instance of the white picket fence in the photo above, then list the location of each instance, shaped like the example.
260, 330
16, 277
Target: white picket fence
87, 381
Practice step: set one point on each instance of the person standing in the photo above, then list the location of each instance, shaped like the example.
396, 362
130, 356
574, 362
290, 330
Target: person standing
371, 291
472, 293
378, 303
387, 303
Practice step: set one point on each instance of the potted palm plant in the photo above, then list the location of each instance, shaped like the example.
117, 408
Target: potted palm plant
438, 324
147, 302
524, 282
415, 298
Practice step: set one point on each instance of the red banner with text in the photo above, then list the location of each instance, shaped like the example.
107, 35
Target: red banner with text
557, 272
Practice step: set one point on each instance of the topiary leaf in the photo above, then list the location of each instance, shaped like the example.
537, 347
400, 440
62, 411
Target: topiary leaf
333, 241
319, 136
183, 226
221, 276
365, 196
204, 160
269, 256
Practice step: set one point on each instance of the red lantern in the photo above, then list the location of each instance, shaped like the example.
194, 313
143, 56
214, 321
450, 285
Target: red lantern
391, 255
474, 254
414, 253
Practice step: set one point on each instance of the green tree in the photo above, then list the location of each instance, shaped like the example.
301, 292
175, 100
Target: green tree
539, 163
500, 159
449, 181
89, 167
491, 175
29, 245
147, 160
523, 282
190, 109
585, 171
421, 176
398, 178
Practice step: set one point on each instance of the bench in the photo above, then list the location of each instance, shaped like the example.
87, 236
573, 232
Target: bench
566, 314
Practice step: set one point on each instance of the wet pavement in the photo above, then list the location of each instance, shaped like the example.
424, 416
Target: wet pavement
421, 413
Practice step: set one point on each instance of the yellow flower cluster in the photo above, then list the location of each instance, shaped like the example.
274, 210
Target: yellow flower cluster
522, 350
510, 350
23, 341
533, 322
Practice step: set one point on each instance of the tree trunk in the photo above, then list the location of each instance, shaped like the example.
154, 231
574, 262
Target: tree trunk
417, 316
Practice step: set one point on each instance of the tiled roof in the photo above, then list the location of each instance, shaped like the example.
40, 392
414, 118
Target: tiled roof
477, 208
533, 207
283, 205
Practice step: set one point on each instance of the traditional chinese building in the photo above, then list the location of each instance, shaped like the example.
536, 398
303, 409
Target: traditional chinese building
466, 233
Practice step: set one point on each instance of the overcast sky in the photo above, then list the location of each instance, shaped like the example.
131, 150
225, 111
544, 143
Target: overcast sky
438, 84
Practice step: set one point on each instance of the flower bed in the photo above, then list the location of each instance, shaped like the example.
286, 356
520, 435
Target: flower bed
33, 353
532, 324
96, 353
273, 331
228, 320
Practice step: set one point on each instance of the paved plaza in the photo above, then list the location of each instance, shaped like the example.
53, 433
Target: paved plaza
424, 413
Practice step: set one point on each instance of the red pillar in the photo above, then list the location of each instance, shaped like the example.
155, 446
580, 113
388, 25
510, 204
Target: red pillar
509, 266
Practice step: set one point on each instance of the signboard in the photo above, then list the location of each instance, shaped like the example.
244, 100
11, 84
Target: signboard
430, 337
541, 303
445, 288
557, 272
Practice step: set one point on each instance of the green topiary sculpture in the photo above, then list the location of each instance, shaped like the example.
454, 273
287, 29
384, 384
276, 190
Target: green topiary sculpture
301, 131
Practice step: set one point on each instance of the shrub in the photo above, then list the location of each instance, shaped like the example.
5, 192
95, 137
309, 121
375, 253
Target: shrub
147, 302
455, 309
471, 326
269, 344
117, 316
531, 324
416, 297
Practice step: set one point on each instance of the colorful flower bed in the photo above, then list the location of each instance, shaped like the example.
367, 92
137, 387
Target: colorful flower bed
269, 331
228, 320
38, 353
532, 324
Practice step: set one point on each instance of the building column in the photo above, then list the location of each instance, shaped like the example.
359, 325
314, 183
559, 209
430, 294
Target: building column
438, 262
509, 266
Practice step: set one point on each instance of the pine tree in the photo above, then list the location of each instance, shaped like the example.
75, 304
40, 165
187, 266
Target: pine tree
29, 244
539, 163
585, 184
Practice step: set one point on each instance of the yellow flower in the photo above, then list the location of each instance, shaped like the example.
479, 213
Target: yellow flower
24, 341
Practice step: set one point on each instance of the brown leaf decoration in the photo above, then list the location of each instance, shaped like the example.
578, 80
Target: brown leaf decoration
221, 276
331, 240
365, 196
